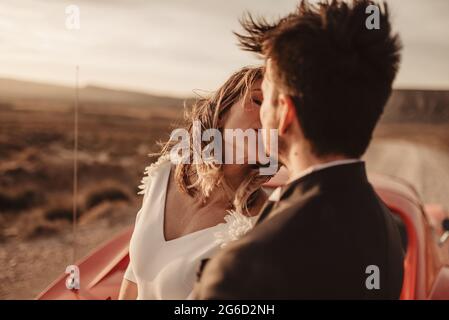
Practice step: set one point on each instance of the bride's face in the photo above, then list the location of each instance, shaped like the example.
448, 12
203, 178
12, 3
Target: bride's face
244, 115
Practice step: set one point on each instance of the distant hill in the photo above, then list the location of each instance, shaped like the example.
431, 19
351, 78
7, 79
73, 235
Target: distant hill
403, 106
417, 106
16, 89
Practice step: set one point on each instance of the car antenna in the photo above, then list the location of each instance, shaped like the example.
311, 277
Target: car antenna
75, 168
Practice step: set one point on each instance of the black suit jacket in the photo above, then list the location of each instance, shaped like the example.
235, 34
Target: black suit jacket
317, 242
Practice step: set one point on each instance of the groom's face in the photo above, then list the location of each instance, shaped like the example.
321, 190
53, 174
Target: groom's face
269, 112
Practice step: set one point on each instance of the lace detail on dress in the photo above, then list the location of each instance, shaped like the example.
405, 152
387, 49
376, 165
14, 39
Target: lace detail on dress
236, 226
149, 172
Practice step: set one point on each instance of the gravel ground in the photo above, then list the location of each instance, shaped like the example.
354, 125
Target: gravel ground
28, 267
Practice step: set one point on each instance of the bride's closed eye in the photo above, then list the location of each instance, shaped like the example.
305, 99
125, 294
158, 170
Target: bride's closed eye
257, 98
257, 101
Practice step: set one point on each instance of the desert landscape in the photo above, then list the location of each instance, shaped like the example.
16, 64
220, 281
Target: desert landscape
117, 130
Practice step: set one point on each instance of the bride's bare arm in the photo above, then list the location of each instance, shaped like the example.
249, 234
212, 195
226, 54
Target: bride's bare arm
128, 290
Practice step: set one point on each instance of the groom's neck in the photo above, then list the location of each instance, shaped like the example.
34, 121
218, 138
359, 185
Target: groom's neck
299, 158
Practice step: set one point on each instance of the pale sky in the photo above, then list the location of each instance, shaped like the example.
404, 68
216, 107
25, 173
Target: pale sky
175, 46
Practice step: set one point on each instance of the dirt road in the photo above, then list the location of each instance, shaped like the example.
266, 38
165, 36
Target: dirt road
425, 167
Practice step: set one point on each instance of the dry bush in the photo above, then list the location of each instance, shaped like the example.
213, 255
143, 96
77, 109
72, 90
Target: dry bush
59, 214
42, 230
18, 200
33, 224
106, 191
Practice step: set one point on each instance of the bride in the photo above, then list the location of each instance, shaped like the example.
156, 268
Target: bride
188, 209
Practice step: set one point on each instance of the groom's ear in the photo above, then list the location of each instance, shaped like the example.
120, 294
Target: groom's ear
287, 113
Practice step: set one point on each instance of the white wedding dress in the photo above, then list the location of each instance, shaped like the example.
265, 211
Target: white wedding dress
167, 269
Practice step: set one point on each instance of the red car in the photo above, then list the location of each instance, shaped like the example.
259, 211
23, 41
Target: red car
426, 232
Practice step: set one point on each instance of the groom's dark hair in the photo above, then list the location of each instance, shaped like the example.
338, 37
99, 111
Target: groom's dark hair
338, 72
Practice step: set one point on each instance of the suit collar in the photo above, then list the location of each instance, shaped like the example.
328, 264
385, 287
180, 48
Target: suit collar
338, 177
323, 166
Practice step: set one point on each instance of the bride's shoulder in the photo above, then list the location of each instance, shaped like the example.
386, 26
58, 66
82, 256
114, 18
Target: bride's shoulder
162, 165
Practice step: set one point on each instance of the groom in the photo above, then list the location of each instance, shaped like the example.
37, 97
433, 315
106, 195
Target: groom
326, 234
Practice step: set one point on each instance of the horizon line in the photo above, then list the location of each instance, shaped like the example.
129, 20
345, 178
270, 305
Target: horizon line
166, 94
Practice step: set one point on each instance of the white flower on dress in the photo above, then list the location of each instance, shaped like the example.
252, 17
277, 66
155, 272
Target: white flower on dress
149, 172
237, 225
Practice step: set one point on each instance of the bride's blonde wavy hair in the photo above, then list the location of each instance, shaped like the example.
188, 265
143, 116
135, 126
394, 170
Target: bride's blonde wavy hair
199, 180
